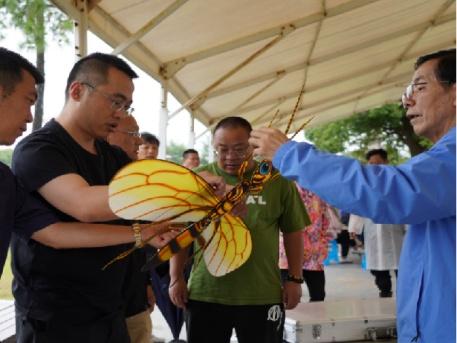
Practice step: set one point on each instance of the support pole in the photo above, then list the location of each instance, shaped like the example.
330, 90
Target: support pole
163, 121
191, 143
80, 30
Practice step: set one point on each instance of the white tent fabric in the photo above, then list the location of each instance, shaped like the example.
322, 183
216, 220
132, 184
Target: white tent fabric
253, 57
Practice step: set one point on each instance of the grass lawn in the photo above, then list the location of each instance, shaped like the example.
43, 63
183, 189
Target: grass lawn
5, 281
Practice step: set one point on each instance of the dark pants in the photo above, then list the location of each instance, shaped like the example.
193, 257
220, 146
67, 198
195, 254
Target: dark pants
384, 282
315, 281
213, 323
345, 241
112, 329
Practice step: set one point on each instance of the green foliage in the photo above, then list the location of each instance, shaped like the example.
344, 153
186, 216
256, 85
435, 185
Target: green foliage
36, 18
6, 156
174, 153
384, 126
204, 155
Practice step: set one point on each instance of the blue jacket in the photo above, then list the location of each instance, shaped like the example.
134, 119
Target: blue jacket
420, 192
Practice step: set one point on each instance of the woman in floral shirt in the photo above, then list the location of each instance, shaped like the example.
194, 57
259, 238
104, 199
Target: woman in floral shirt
316, 237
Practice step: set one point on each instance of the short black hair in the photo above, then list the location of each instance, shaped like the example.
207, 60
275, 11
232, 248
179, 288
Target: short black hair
445, 68
93, 69
374, 152
11, 68
233, 122
149, 138
188, 152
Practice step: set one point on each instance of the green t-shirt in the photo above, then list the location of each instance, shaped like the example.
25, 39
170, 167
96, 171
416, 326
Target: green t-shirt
257, 281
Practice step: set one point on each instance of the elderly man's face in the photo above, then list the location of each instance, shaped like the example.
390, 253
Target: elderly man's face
431, 109
126, 136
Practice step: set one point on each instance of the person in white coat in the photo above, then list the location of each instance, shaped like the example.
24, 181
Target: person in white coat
382, 241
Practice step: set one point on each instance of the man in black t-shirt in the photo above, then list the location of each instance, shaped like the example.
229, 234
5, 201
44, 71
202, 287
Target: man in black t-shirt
62, 295
21, 214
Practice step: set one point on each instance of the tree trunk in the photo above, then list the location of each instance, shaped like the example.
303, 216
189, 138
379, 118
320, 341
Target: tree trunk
40, 39
38, 119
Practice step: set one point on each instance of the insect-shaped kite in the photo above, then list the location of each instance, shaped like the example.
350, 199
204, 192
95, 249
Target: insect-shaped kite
158, 191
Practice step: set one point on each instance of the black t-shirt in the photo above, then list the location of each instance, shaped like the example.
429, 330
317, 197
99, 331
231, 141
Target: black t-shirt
65, 282
19, 212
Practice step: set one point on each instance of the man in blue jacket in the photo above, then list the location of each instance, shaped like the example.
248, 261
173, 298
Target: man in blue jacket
420, 192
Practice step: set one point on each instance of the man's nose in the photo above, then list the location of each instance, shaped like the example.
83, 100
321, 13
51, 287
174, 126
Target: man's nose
29, 116
407, 102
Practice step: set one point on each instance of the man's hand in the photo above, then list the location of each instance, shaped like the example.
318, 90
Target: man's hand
162, 233
216, 182
291, 294
266, 142
178, 292
240, 210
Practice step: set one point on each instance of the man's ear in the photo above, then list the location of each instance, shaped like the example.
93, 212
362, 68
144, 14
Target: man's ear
75, 90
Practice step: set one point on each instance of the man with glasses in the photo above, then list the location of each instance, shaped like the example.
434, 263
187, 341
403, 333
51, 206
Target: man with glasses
420, 192
126, 136
21, 214
250, 298
63, 295
138, 293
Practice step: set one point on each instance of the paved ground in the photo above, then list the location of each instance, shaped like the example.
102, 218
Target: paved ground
343, 281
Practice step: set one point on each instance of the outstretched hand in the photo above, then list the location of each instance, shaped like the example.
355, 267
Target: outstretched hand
266, 141
161, 233
216, 182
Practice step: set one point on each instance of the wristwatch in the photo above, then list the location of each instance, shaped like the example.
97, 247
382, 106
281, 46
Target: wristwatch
137, 234
293, 278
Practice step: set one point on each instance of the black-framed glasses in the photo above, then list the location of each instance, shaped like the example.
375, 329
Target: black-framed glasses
237, 152
135, 134
413, 88
117, 104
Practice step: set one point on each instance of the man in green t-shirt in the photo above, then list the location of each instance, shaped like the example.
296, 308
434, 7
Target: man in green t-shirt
249, 299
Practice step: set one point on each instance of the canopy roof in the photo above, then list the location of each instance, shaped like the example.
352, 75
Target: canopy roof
253, 57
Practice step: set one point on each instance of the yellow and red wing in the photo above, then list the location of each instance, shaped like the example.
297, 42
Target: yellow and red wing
230, 247
157, 190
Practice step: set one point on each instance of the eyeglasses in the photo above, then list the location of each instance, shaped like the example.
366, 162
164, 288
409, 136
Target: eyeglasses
413, 88
237, 152
117, 104
135, 134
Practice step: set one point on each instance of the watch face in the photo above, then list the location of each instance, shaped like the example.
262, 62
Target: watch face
294, 279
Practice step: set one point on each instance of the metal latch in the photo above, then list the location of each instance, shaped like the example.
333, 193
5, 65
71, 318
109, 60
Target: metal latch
374, 333
317, 331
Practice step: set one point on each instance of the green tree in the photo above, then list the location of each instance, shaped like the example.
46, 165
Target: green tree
386, 126
6, 156
204, 154
174, 152
36, 19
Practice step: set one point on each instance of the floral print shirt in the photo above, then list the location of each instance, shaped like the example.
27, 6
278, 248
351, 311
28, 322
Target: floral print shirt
316, 235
